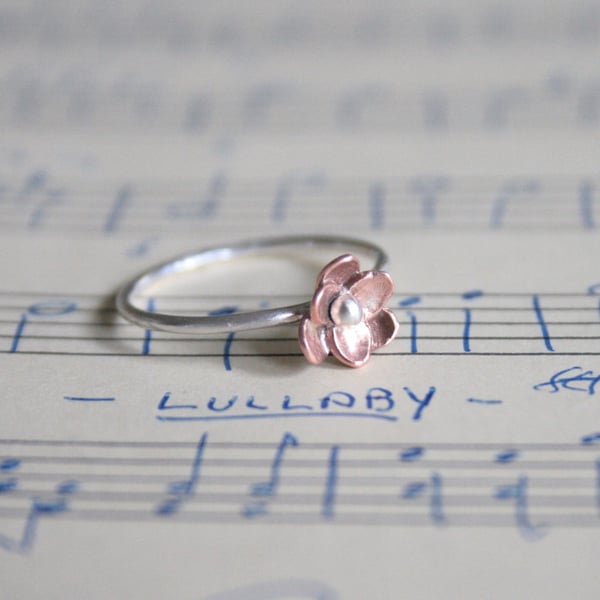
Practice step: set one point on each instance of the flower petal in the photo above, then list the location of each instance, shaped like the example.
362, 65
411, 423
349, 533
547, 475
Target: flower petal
383, 327
351, 345
313, 341
322, 299
339, 270
372, 289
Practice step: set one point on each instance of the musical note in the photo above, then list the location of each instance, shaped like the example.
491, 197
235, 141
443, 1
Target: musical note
180, 491
269, 488
40, 507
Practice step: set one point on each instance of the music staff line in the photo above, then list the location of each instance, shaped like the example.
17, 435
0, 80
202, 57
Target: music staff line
218, 29
472, 323
355, 483
279, 108
518, 205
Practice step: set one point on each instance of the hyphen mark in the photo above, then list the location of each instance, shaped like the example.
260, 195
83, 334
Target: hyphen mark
483, 401
542, 322
89, 399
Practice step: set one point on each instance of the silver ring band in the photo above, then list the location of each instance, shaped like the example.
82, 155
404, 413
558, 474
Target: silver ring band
236, 321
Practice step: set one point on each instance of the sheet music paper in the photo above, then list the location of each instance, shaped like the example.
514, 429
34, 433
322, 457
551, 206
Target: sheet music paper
462, 462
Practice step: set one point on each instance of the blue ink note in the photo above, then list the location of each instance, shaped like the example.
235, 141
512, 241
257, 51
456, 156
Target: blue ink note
40, 212
591, 439
537, 309
261, 100
206, 206
466, 338
410, 301
226, 310
47, 308
471, 295
413, 331
52, 308
9, 464
117, 210
182, 490
285, 191
518, 493
256, 508
429, 190
141, 248
150, 307
510, 190
18, 334
411, 454
377, 206
8, 485
269, 488
413, 490
507, 456
586, 204
34, 182
354, 103
40, 507
328, 506
436, 503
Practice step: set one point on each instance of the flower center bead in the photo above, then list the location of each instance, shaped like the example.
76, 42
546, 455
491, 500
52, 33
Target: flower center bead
345, 310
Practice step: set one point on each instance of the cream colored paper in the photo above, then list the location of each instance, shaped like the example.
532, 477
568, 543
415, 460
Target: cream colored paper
462, 462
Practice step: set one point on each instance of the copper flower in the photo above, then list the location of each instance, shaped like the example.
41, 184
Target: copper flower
347, 314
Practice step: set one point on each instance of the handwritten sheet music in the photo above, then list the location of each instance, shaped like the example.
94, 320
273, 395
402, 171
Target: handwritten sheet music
463, 462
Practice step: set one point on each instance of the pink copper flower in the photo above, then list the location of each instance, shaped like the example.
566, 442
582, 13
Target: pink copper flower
347, 314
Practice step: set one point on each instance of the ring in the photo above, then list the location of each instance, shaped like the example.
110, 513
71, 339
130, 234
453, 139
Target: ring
346, 317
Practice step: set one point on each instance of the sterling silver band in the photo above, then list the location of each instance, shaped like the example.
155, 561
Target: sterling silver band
236, 321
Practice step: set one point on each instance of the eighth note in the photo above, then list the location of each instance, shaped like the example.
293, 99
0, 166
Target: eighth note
269, 488
181, 490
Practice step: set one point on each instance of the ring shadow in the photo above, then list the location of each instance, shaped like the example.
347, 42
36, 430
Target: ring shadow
273, 365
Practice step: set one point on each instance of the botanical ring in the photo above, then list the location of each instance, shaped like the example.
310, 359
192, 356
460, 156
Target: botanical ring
346, 317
